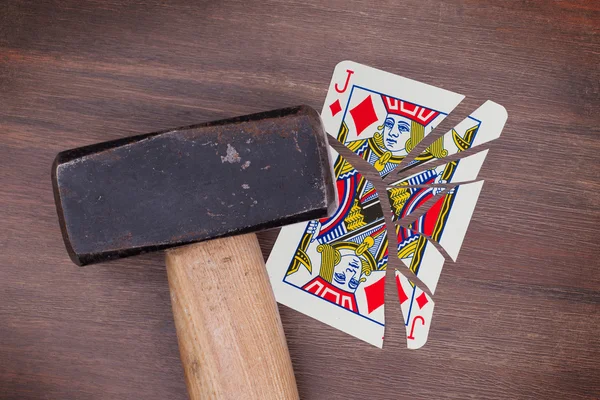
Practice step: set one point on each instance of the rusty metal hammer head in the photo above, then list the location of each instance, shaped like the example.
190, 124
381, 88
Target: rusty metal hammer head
175, 187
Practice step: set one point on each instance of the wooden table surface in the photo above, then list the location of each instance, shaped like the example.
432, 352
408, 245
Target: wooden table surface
516, 317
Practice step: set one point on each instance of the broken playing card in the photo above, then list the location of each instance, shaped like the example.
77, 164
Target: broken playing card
333, 269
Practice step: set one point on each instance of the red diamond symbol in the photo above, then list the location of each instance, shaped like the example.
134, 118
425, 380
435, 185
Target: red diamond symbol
422, 300
375, 295
363, 115
403, 297
335, 107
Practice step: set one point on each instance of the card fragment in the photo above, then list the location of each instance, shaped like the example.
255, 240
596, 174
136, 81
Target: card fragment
417, 311
483, 125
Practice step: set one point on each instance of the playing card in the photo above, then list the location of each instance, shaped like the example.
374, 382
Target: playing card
333, 269
483, 125
381, 116
417, 310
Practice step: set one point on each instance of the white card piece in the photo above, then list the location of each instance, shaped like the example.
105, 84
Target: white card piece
417, 311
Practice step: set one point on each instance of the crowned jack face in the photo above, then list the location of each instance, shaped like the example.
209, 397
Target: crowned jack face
396, 132
347, 273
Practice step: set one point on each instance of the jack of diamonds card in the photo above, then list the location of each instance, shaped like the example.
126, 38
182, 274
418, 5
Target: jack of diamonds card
381, 116
333, 269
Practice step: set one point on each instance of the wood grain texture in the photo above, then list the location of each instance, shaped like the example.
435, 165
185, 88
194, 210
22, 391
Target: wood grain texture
230, 336
516, 316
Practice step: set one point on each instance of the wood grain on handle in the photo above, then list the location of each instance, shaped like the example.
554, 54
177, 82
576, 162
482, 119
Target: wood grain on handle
230, 335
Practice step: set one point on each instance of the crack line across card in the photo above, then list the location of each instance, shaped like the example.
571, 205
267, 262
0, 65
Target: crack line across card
334, 269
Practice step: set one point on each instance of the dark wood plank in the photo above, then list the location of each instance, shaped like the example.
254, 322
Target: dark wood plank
515, 317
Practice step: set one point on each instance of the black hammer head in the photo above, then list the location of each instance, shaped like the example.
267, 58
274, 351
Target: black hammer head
165, 189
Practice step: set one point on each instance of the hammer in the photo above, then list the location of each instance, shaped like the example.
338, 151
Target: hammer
199, 192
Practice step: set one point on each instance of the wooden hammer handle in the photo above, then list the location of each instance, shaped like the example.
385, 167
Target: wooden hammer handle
230, 336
